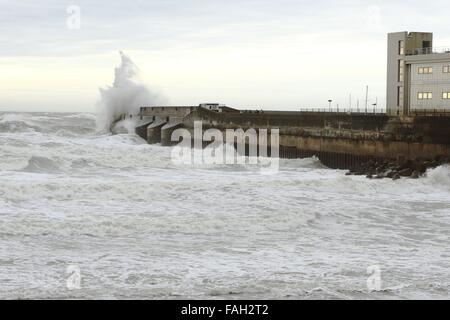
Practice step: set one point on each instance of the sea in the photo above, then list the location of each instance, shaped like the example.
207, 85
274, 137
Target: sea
91, 215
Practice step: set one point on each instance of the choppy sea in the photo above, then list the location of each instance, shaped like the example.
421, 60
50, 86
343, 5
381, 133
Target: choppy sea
135, 225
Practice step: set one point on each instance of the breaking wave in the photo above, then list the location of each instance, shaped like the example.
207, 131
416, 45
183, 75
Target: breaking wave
439, 176
60, 124
16, 123
126, 95
41, 165
307, 163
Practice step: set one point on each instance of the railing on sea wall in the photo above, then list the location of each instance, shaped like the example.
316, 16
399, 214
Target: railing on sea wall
368, 111
332, 111
321, 110
430, 112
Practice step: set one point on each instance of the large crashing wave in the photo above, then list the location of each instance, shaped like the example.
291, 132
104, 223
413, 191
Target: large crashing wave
126, 95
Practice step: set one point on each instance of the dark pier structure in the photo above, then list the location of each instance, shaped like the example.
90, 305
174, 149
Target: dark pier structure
340, 140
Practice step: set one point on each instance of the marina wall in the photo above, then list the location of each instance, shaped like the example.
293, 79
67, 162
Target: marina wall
339, 140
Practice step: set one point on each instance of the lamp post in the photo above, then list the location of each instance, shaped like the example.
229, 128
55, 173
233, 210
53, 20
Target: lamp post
329, 105
367, 96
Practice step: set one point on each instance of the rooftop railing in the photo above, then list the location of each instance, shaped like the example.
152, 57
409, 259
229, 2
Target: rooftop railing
420, 51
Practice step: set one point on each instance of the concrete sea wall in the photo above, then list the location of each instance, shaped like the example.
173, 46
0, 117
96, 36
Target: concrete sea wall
340, 140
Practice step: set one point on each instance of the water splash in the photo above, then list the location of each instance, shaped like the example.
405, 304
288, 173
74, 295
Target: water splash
439, 176
126, 95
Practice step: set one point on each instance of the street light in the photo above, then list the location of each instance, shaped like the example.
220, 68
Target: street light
374, 106
329, 105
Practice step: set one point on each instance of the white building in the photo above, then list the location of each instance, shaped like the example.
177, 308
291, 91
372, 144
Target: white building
418, 75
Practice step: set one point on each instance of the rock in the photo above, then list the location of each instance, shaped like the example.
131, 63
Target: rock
405, 172
405, 165
402, 167
379, 169
427, 164
434, 164
389, 173
415, 175
418, 165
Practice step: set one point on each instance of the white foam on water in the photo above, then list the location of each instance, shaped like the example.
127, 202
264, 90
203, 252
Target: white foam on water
140, 226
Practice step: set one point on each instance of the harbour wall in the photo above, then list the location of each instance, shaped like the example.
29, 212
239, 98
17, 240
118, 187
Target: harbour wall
339, 140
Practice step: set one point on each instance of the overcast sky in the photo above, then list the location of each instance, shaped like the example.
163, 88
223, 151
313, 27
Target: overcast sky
282, 54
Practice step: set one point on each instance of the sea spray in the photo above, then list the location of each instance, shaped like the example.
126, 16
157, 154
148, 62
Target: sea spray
125, 96
440, 176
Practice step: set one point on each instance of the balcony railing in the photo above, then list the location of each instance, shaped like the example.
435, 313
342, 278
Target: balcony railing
420, 51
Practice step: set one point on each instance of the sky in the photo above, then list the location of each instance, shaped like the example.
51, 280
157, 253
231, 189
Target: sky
265, 54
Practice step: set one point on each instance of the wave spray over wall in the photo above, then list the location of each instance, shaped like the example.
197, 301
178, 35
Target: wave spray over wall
126, 95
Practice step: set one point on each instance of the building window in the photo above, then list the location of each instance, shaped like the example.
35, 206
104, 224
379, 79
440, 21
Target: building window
446, 95
401, 47
424, 95
400, 70
400, 96
446, 69
425, 70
